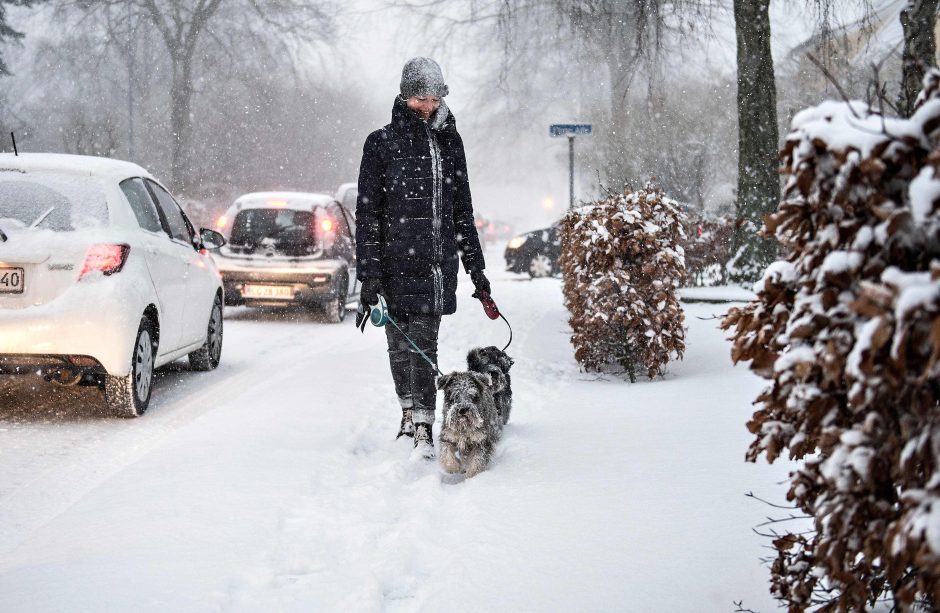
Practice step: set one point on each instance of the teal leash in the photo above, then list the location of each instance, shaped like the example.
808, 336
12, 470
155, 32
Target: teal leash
379, 316
418, 349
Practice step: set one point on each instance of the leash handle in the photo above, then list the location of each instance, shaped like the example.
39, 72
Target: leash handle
489, 305
492, 311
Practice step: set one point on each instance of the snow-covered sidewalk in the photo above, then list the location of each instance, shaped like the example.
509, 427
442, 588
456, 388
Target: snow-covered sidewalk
275, 483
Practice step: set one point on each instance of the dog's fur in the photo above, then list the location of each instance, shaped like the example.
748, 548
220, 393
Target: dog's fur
495, 362
472, 424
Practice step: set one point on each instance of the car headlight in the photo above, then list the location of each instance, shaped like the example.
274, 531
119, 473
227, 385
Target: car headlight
518, 241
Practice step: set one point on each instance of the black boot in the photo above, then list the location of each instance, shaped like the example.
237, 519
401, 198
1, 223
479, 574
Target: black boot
407, 426
424, 442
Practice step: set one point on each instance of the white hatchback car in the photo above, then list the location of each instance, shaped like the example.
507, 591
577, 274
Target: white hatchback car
102, 277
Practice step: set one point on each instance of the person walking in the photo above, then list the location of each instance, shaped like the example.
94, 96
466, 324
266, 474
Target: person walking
414, 219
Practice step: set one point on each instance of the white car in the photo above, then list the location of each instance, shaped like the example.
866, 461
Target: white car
347, 194
289, 248
102, 277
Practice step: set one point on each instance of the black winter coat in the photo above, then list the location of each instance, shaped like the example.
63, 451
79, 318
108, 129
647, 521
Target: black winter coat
414, 216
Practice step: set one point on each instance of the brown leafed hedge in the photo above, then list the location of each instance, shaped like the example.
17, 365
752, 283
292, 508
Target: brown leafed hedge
622, 263
707, 248
847, 331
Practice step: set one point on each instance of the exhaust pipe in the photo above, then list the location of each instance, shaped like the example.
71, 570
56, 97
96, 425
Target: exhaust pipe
62, 376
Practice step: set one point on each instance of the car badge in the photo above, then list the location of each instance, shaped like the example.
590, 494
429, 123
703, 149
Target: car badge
61, 266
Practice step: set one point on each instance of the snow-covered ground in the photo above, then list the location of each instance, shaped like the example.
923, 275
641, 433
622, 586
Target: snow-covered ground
275, 482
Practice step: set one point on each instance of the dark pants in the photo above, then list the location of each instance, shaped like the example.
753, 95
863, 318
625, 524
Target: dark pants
415, 379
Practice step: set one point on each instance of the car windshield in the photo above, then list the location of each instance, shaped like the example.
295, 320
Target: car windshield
52, 201
274, 231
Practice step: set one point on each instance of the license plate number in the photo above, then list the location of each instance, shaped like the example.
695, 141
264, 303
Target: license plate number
283, 292
12, 280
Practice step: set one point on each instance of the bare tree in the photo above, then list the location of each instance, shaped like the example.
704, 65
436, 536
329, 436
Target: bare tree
89, 136
181, 27
601, 59
918, 19
7, 33
198, 32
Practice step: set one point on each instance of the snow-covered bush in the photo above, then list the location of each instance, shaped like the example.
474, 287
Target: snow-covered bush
847, 329
707, 248
622, 262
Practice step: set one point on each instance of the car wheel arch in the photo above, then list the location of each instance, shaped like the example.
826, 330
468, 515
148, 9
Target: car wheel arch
153, 315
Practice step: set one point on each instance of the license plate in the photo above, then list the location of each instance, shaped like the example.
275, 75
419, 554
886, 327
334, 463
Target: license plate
282, 292
12, 280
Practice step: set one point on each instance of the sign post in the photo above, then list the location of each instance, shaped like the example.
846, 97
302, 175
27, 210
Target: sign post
570, 130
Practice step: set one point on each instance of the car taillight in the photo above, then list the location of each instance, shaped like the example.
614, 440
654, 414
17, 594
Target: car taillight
326, 225
220, 222
106, 259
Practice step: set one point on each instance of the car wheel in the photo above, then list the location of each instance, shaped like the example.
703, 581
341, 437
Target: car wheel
540, 266
207, 357
336, 309
128, 396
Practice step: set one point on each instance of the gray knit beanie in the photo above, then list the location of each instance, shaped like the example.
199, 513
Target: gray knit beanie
422, 76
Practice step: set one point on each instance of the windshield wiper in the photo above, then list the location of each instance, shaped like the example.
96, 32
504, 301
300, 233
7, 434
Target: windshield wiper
42, 217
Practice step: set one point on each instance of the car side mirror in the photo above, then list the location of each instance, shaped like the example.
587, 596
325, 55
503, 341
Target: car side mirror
211, 239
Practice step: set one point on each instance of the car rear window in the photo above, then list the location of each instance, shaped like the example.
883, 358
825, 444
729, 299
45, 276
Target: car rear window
58, 202
281, 231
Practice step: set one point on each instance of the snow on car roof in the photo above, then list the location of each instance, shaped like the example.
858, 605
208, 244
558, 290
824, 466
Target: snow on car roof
289, 200
77, 164
343, 188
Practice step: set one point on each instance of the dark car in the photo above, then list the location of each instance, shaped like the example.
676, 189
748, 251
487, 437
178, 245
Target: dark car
534, 252
289, 248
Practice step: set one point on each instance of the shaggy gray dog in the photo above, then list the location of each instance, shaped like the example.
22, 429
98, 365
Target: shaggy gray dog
471, 422
495, 362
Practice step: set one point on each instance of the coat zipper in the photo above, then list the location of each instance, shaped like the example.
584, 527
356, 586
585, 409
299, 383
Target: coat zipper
438, 290
436, 221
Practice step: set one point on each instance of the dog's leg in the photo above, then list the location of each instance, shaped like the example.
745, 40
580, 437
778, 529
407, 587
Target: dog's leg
478, 459
449, 458
502, 408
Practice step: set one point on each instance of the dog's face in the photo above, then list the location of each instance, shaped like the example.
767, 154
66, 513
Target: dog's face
463, 394
481, 357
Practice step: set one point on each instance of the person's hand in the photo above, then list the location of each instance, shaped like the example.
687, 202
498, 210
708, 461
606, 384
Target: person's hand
480, 282
368, 296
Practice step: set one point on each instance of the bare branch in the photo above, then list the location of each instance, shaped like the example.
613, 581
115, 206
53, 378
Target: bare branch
825, 71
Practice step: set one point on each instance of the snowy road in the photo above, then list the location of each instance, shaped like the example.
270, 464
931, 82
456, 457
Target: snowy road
275, 482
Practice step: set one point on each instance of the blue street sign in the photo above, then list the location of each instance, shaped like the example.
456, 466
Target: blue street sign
569, 129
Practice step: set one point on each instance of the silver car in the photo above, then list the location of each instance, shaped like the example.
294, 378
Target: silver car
288, 248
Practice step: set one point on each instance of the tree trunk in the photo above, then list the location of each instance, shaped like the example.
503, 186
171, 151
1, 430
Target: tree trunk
180, 28
918, 20
758, 181
615, 167
618, 55
181, 124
